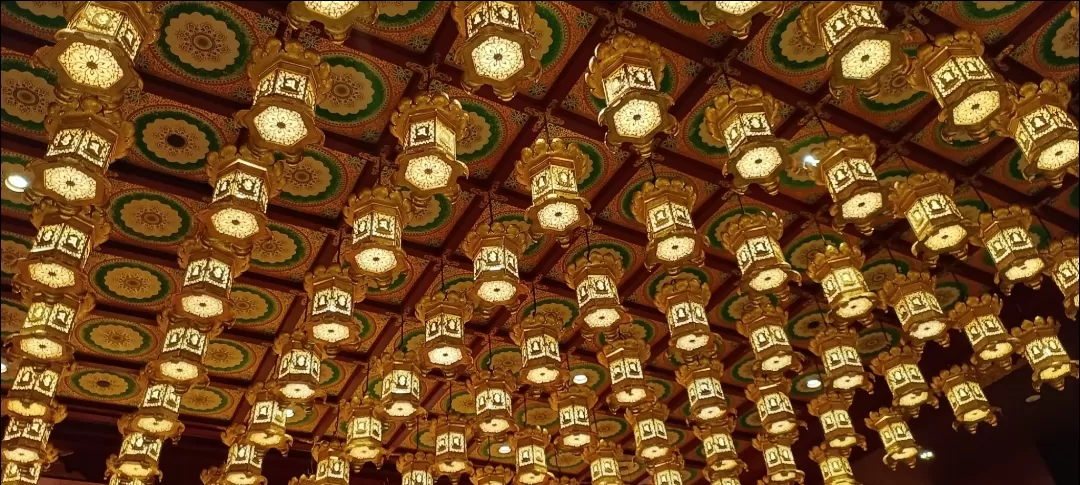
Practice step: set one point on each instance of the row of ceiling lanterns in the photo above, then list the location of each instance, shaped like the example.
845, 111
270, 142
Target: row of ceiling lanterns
626, 72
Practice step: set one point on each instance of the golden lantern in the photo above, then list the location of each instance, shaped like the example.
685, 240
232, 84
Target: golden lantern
182, 349
400, 397
625, 71
721, 455
116, 479
364, 431
377, 217
337, 17
48, 324
158, 414
754, 240
209, 269
243, 182
243, 466
494, 402
95, 53
773, 405
299, 364
763, 324
574, 405
900, 368
861, 49
845, 167
444, 315
721, 478
491, 475
1005, 234
668, 470
595, 278
663, 206
603, 457
736, 16
288, 80
682, 299
66, 236
831, 409
926, 201
835, 468
499, 48
332, 463
900, 446
415, 469
495, 249
266, 419
744, 117
452, 435
961, 387
1045, 132
844, 372
17, 474
974, 99
531, 459
26, 441
427, 128
331, 297
780, 466
701, 378
139, 454
552, 171
32, 391
1063, 266
911, 296
837, 268
651, 439
1041, 347
978, 318
537, 334
624, 358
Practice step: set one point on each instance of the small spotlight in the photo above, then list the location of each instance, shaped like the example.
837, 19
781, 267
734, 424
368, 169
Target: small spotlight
289, 413
505, 449
580, 378
16, 182
926, 455
810, 160
1032, 398
3, 367
813, 383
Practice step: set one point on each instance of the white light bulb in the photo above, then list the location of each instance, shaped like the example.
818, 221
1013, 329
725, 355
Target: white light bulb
813, 383
505, 449
810, 160
926, 455
16, 182
580, 379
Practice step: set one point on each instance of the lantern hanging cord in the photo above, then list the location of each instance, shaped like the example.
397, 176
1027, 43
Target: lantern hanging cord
821, 123
652, 167
742, 209
442, 277
491, 360
534, 305
820, 233
402, 343
971, 183
588, 244
724, 76
449, 396
889, 250
903, 161
491, 209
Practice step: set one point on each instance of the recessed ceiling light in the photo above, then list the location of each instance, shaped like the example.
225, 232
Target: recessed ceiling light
813, 383
1032, 398
580, 378
16, 182
289, 413
3, 367
810, 160
505, 448
926, 455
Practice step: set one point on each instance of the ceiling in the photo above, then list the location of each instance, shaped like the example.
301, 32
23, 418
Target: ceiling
194, 80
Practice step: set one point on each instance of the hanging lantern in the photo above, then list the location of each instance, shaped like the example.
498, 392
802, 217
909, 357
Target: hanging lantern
574, 405
1045, 132
926, 201
32, 391
663, 206
364, 431
701, 378
444, 316
961, 387
763, 324
721, 478
299, 364
66, 235
837, 268
209, 268
337, 18
48, 324
682, 299
846, 168
744, 117
1004, 232
138, 456
115, 479
780, 467
595, 276
17, 474
651, 439
243, 185
844, 372
400, 399
427, 128
978, 318
900, 446
1043, 351
491, 475
494, 403
266, 419
834, 465
625, 71
243, 466
668, 471
182, 349
603, 457
911, 296
553, 170
900, 368
624, 359
974, 99
537, 334
861, 49
831, 409
332, 463
495, 249
331, 296
26, 441
1063, 266
773, 405
499, 47
531, 445
158, 414
377, 216
451, 447
721, 455
753, 239
736, 16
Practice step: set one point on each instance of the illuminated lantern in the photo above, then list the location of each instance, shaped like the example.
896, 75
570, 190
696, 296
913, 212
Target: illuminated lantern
1045, 132
773, 405
494, 403
974, 99
538, 336
48, 324
682, 298
17, 474
831, 409
209, 268
668, 470
26, 441
451, 447
332, 463
721, 455
961, 387
625, 360
834, 465
531, 445
900, 368
744, 117
243, 466
1041, 347
1062, 258
495, 249
266, 419
926, 201
377, 217
182, 349
701, 378
900, 446
721, 478
625, 71
763, 324
595, 277
139, 455
159, 412
491, 475
1005, 235
651, 439
603, 457
32, 391
337, 18
298, 367
780, 466
663, 206
552, 171
65, 236
837, 268
736, 16
846, 169
400, 397
331, 296
911, 296
499, 47
427, 129
754, 240
978, 318
364, 431
844, 372
444, 316
574, 405
243, 182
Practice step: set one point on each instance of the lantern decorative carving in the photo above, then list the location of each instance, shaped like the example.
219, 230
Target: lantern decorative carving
298, 368
494, 401
17, 474
774, 406
979, 320
1062, 258
1005, 235
603, 457
49, 321
702, 380
663, 206
961, 387
744, 117
495, 249
595, 277
667, 470
575, 405
926, 201
831, 409
243, 466
452, 435
1045, 132
834, 465
625, 71
377, 217
682, 299
900, 368
974, 99
900, 446
209, 268
139, 454
1041, 347
846, 169
86, 137
721, 478
736, 16
66, 236
538, 336
780, 466
243, 182
182, 349
331, 296
364, 431
844, 372
444, 315
763, 324
32, 390
651, 439
415, 469
427, 128
531, 445
266, 419
337, 18
491, 475
553, 170
911, 296
754, 240
158, 414
400, 397
721, 454
838, 269
625, 360
26, 441
332, 463
499, 47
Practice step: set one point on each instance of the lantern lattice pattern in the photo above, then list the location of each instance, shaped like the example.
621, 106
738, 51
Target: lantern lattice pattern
537, 334
603, 457
17, 474
452, 435
900, 368
1045, 132
774, 406
1006, 236
625, 359
831, 409
400, 396
26, 441
754, 240
495, 249
427, 129
743, 118
415, 469
780, 466
838, 269
552, 171
337, 18
364, 431
494, 402
182, 349
835, 469
682, 299
926, 201
491, 475
298, 368
846, 169
331, 463
266, 419
979, 320
900, 446
444, 315
961, 388
531, 445
663, 206
243, 465
844, 372
911, 296
1063, 266
702, 380
667, 470
331, 296
49, 321
158, 414
66, 236
721, 454
595, 277
377, 217
243, 185
575, 406
32, 391
651, 439
499, 47
139, 454
763, 324
209, 268
736, 16
1041, 347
